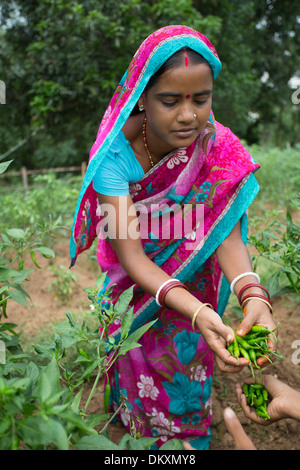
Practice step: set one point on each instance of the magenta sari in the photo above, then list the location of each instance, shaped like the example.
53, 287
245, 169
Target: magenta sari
168, 380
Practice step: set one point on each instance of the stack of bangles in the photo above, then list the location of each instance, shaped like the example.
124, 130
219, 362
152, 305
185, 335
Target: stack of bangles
165, 287
243, 299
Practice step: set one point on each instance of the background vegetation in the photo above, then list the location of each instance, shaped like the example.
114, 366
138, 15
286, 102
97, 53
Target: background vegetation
61, 60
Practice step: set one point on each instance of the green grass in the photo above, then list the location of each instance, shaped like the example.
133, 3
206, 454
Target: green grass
279, 175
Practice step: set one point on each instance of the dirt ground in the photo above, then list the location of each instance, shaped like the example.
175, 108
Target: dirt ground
45, 311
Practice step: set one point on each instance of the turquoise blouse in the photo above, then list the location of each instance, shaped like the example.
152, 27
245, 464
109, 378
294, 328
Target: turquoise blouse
118, 168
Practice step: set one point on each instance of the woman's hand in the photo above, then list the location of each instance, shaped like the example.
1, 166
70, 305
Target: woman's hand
257, 313
285, 401
216, 335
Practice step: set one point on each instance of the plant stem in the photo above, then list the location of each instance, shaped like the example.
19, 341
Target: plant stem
93, 390
289, 276
111, 418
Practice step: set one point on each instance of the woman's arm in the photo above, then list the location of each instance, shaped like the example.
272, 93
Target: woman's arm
234, 259
125, 239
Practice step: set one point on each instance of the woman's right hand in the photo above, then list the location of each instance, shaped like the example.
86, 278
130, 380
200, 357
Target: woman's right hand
216, 334
285, 401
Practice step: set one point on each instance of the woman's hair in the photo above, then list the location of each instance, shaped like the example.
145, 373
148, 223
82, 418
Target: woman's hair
176, 60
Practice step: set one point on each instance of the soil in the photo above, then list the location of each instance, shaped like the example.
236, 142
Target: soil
45, 311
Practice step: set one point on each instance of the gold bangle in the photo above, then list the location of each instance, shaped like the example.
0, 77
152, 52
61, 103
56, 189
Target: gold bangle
196, 313
262, 300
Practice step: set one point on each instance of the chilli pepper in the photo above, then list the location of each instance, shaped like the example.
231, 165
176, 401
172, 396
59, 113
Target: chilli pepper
245, 390
257, 397
107, 395
242, 342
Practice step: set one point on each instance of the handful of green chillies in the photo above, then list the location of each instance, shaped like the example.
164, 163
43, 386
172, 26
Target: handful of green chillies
257, 396
254, 345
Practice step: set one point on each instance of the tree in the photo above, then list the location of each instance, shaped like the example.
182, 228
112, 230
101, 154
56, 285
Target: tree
69, 57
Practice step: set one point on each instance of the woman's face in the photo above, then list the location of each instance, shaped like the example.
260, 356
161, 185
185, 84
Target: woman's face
177, 107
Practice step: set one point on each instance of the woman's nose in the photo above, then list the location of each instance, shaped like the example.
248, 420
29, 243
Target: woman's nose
186, 113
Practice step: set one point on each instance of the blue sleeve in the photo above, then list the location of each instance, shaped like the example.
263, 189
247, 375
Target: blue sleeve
109, 180
118, 168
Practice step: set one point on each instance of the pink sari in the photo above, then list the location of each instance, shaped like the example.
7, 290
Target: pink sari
168, 380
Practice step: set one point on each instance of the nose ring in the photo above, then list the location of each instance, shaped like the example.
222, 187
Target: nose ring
195, 115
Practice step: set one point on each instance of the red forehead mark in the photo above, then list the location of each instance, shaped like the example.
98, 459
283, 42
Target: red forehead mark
186, 61
188, 96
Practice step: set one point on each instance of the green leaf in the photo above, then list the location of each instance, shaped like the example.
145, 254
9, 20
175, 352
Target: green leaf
96, 418
131, 341
100, 281
173, 444
38, 431
22, 276
46, 252
48, 383
77, 421
17, 233
19, 296
126, 323
144, 443
6, 273
96, 442
90, 368
76, 401
124, 300
4, 166
127, 346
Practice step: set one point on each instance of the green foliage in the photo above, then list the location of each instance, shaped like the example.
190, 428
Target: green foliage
69, 58
279, 244
15, 244
279, 174
49, 199
62, 286
41, 404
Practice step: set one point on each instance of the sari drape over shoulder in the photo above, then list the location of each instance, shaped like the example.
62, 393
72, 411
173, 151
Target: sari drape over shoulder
187, 205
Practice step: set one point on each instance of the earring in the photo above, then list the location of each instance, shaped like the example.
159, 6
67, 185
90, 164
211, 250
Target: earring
141, 107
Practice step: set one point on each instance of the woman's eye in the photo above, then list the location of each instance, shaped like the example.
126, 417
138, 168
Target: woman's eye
168, 104
201, 102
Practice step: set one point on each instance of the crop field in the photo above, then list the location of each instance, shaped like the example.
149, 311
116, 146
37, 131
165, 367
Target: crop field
52, 361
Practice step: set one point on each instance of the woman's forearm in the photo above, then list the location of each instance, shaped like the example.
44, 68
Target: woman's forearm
234, 259
144, 272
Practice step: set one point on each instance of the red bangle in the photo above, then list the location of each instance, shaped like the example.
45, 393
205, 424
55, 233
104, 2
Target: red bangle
165, 290
252, 285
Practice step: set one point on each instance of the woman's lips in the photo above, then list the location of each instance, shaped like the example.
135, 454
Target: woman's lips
184, 133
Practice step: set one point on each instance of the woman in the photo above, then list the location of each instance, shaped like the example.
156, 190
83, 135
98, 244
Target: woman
160, 156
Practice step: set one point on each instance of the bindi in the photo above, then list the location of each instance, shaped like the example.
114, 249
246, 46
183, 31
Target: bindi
188, 96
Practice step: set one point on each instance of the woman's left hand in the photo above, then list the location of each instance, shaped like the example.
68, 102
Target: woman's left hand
216, 334
257, 313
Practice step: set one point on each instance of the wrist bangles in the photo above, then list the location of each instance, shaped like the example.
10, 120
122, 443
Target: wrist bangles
164, 289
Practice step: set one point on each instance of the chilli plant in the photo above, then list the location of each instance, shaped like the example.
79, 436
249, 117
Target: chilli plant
279, 244
45, 396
